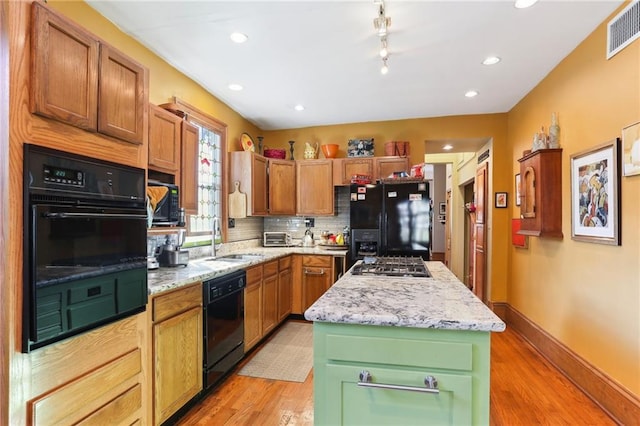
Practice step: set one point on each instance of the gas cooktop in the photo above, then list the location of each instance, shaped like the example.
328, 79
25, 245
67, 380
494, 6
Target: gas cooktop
396, 266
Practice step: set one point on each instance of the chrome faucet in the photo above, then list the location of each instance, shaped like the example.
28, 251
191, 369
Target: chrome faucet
215, 233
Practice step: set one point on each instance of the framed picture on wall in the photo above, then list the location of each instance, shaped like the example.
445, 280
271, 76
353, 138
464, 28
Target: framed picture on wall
595, 200
631, 149
501, 200
518, 189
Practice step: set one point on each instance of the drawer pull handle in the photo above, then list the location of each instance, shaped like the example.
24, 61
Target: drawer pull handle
430, 382
310, 272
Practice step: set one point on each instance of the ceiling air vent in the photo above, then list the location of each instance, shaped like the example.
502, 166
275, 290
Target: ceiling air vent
623, 29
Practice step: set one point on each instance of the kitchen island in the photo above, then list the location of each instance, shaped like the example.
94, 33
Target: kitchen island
401, 350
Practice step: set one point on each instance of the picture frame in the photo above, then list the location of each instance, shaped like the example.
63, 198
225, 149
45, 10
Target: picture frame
442, 209
501, 200
631, 149
518, 195
360, 148
595, 199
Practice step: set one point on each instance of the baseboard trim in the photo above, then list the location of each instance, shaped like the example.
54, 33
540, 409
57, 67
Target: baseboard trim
619, 403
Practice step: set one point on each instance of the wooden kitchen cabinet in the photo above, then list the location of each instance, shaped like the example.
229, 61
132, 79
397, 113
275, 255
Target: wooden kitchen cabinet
376, 167
385, 166
253, 307
165, 130
105, 382
314, 187
345, 168
190, 144
458, 360
317, 277
269, 297
122, 98
250, 169
282, 187
263, 296
82, 81
177, 349
541, 192
285, 287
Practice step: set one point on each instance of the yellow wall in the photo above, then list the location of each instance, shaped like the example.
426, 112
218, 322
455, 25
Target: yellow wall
586, 295
165, 81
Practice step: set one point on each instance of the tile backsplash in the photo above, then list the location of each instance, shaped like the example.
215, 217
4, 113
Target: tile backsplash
296, 224
248, 232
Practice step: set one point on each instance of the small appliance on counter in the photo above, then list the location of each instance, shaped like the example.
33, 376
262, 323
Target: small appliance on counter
277, 239
172, 255
152, 262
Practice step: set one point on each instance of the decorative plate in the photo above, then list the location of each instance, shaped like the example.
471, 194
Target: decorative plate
247, 142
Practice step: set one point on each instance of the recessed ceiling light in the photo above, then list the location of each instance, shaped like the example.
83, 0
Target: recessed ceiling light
523, 4
491, 60
235, 87
447, 147
299, 107
471, 93
238, 37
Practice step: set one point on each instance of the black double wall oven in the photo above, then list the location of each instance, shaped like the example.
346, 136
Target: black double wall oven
85, 253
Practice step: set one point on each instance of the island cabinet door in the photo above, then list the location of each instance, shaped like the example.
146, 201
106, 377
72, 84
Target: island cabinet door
450, 403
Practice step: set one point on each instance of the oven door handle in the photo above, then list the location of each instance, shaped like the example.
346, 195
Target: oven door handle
93, 216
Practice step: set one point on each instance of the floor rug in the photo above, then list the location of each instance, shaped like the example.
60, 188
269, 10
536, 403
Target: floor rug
287, 356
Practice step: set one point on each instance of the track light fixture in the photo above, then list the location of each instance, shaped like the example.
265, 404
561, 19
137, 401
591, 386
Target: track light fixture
384, 52
382, 23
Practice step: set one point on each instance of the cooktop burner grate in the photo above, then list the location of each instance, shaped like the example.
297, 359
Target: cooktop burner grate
397, 266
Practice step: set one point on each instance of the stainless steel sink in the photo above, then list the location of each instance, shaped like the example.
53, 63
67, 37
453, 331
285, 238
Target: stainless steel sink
237, 257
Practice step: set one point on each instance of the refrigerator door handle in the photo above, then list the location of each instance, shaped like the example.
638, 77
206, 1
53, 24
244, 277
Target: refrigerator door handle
383, 231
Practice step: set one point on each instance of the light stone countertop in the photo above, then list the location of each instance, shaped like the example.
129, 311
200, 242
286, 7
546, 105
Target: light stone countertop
441, 302
165, 278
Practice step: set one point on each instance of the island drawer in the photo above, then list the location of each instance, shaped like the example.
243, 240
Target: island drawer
405, 352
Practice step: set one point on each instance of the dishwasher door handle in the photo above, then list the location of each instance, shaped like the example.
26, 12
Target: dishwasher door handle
430, 382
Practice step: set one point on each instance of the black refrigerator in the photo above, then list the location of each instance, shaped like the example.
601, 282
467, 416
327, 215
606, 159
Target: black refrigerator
390, 219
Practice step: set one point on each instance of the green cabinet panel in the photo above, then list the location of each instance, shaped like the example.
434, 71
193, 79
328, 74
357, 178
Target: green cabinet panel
374, 406
407, 352
458, 359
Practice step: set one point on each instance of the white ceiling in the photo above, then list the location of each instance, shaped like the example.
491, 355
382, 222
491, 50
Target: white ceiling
324, 54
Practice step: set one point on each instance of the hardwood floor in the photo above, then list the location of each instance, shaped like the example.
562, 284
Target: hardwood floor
525, 390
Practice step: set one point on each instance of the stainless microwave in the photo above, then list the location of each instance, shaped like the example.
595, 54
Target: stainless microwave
167, 210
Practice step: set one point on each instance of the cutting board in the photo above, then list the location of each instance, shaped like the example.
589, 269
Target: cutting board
237, 203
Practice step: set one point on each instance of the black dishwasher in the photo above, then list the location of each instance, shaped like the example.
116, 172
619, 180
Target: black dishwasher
223, 328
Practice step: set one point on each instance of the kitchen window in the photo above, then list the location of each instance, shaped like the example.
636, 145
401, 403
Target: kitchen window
211, 164
209, 180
